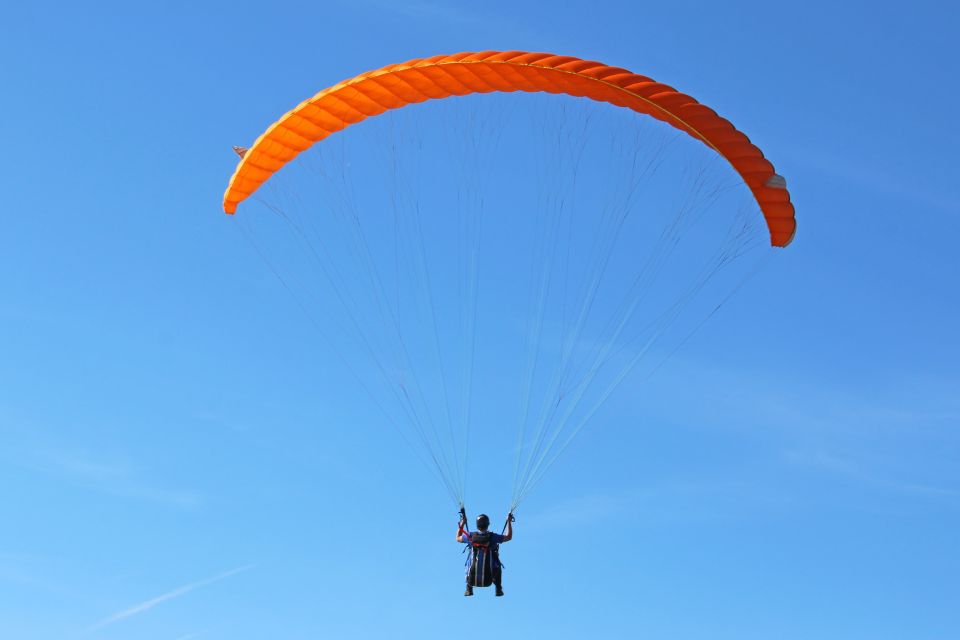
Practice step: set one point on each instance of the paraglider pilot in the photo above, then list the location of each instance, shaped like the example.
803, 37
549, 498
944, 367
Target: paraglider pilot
483, 561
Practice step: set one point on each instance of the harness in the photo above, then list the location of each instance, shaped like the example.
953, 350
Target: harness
482, 541
483, 563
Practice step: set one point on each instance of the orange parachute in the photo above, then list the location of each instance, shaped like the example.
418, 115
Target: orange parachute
398, 85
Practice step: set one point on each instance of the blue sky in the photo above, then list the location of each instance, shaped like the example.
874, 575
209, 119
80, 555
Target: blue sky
177, 462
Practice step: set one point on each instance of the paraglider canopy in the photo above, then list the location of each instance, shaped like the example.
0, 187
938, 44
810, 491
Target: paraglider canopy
395, 86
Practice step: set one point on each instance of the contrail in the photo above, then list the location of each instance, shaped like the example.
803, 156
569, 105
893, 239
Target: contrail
176, 593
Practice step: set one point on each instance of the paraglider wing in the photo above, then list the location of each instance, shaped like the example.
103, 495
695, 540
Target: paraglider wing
395, 86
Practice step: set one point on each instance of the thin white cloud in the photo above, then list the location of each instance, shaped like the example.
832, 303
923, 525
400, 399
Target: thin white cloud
662, 503
115, 475
795, 403
424, 10
856, 470
456, 16
171, 595
846, 432
883, 181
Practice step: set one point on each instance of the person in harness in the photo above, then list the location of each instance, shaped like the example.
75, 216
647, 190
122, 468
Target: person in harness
483, 563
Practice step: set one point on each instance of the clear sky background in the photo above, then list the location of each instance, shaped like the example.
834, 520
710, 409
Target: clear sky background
169, 470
